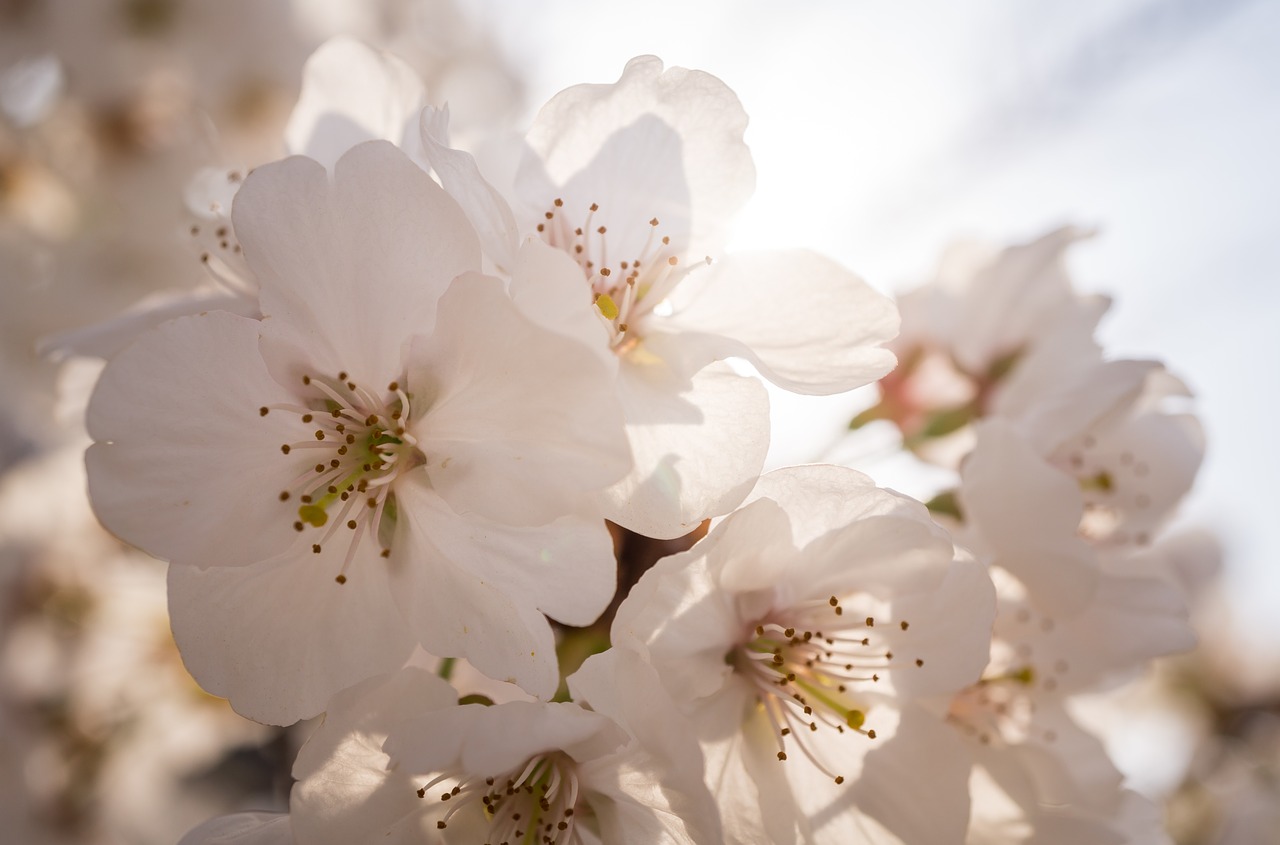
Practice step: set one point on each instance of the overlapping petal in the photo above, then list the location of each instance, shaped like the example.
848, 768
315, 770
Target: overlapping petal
351, 267
182, 450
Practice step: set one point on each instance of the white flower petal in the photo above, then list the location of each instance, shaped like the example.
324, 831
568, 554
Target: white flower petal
350, 270
678, 616
1028, 515
707, 117
352, 93
489, 740
1008, 300
548, 288
279, 638
752, 548
487, 210
346, 790
950, 632
651, 790
1075, 406
821, 497
807, 324
520, 422
882, 555
475, 589
696, 455
182, 450
924, 762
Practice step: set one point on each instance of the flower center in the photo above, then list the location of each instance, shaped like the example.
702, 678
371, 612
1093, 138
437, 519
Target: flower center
215, 242
1000, 709
624, 289
1116, 487
997, 709
534, 803
805, 665
356, 444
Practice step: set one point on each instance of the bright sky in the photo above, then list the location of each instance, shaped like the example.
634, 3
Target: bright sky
883, 130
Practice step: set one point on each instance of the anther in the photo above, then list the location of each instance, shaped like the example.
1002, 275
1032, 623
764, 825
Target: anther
262, 412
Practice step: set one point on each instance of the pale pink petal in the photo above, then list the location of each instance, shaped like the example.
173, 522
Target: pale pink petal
458, 172
652, 789
950, 633
696, 455
490, 740
819, 497
475, 589
635, 177
1078, 404
279, 638
882, 555
753, 549
182, 449
519, 422
1008, 301
350, 270
743, 800
704, 118
804, 321
548, 288
347, 791
678, 617
1130, 622
1028, 515
352, 93
915, 784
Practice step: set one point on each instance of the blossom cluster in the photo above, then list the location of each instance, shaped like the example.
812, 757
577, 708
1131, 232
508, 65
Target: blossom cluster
391, 450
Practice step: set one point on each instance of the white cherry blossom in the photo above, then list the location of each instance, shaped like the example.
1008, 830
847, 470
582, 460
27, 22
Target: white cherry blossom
1040, 773
991, 325
398, 760
636, 182
392, 434
806, 636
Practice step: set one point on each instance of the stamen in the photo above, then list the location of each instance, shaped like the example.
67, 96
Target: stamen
365, 452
